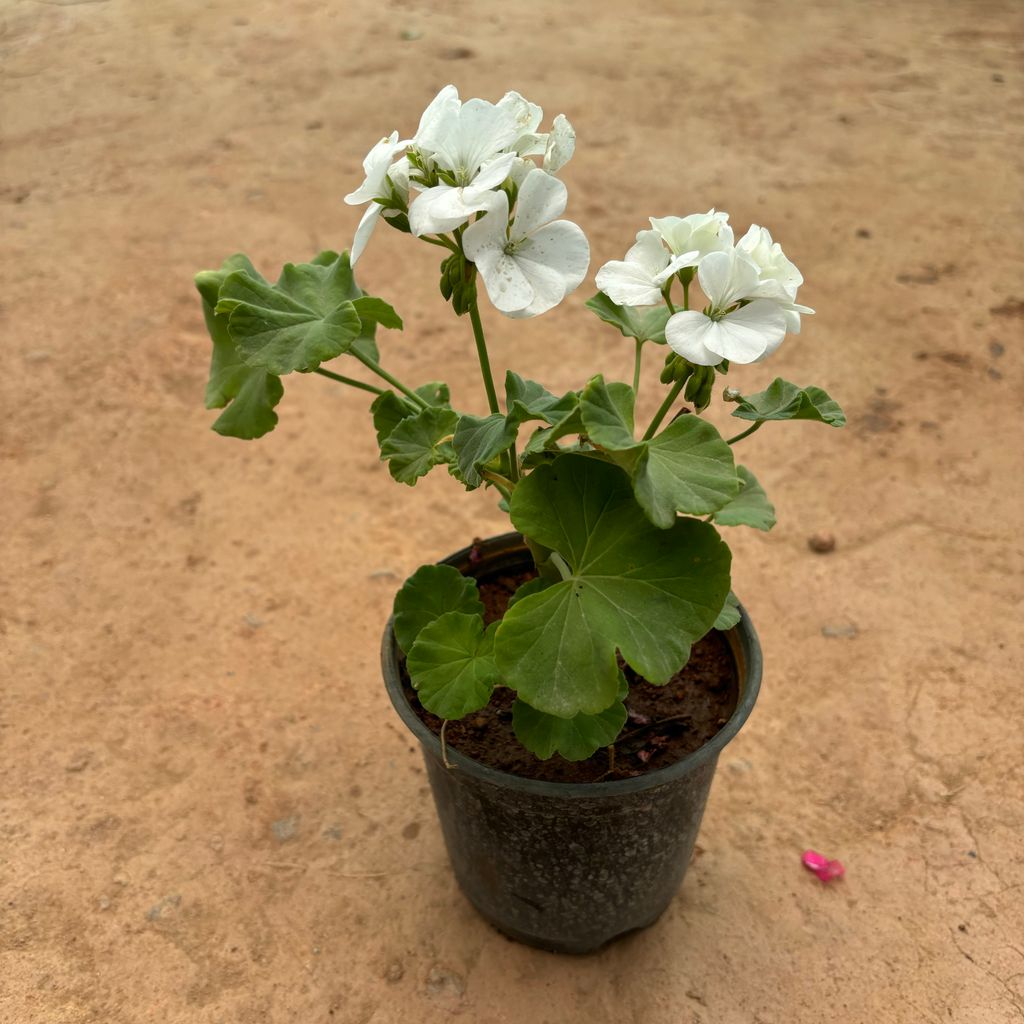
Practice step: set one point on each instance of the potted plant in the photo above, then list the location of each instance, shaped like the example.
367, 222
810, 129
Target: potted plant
572, 682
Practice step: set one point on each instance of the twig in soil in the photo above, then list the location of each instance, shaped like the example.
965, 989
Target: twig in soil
444, 746
652, 725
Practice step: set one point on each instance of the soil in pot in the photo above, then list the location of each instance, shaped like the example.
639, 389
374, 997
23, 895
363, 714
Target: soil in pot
665, 722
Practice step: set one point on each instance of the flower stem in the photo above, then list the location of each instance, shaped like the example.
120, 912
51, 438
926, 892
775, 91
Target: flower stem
686, 295
393, 381
663, 411
349, 381
747, 432
637, 360
485, 363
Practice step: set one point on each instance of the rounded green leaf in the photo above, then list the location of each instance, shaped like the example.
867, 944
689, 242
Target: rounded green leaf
430, 592
451, 664
575, 738
784, 401
750, 507
632, 587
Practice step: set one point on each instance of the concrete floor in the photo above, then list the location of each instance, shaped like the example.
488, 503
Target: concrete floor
208, 811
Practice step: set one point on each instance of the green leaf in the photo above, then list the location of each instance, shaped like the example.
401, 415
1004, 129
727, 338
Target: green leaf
414, 446
430, 592
253, 394
305, 319
528, 400
478, 440
389, 409
434, 392
575, 738
534, 586
548, 437
784, 401
250, 394
451, 664
688, 467
729, 616
376, 311
644, 325
646, 592
750, 507
608, 415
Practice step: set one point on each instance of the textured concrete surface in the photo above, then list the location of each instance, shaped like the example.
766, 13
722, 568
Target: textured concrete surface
208, 812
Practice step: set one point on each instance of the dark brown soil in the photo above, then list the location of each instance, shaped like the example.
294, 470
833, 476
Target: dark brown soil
665, 722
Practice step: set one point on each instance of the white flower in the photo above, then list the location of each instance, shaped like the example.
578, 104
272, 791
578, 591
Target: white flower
739, 333
705, 232
376, 167
779, 278
446, 207
527, 117
639, 278
528, 267
462, 138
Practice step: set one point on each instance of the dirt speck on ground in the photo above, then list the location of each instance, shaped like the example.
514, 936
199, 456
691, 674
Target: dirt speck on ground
207, 807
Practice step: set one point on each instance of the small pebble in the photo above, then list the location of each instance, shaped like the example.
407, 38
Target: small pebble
442, 982
410, 35
842, 629
821, 543
395, 972
79, 762
252, 621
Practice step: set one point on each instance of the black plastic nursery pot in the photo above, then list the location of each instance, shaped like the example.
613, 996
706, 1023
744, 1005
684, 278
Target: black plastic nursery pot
568, 866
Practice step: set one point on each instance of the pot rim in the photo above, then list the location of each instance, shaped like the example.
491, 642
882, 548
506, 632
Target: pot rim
746, 651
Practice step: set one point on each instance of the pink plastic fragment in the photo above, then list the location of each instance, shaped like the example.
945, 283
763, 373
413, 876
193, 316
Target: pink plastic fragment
827, 870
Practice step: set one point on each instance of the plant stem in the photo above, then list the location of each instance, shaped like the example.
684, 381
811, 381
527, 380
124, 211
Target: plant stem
686, 295
637, 360
663, 411
666, 295
485, 363
542, 560
513, 464
393, 381
746, 433
349, 381
442, 240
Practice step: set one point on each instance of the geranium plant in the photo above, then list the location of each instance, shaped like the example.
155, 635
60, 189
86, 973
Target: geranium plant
622, 519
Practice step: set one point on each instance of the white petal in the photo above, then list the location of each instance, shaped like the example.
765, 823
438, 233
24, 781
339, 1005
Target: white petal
494, 172
561, 247
541, 199
548, 289
532, 144
490, 232
443, 208
727, 277
441, 108
628, 284
744, 336
507, 285
375, 167
561, 145
365, 229
685, 259
687, 334
472, 136
526, 115
649, 253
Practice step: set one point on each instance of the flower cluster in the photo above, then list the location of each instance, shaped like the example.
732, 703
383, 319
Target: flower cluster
475, 161
750, 286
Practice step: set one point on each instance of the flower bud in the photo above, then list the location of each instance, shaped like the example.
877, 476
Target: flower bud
731, 395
